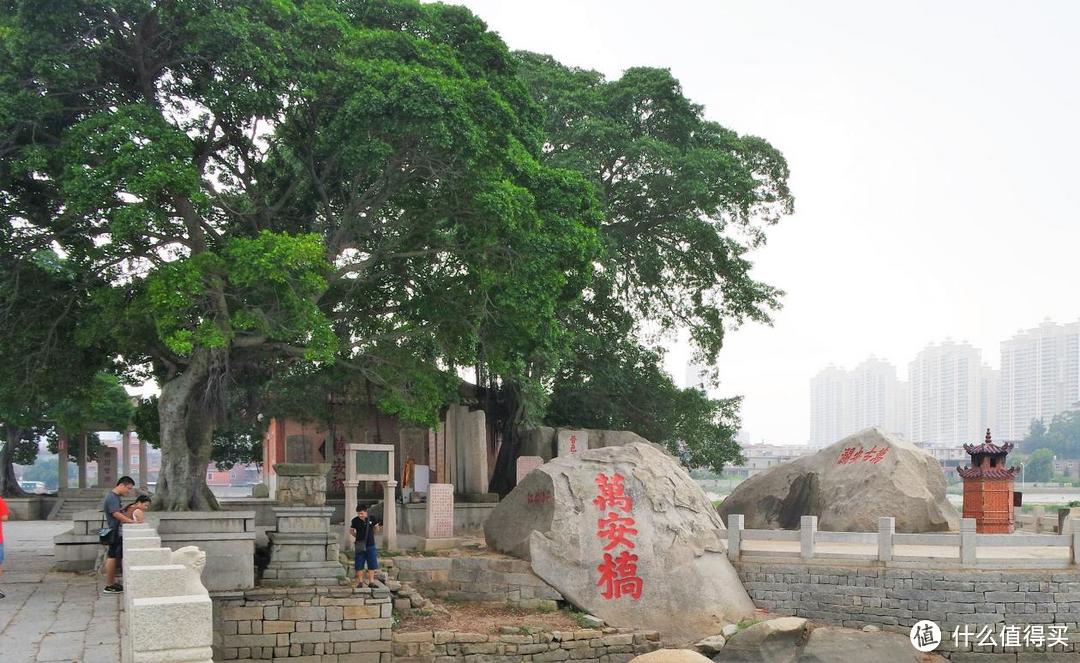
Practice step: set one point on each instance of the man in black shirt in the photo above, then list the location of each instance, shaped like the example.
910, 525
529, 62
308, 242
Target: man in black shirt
363, 530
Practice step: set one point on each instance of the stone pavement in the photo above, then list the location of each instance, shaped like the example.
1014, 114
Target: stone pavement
51, 616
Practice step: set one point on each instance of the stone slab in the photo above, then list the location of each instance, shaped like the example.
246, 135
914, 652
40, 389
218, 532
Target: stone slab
440, 511
572, 442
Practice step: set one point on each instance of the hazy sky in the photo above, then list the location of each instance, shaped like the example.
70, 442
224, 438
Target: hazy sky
932, 149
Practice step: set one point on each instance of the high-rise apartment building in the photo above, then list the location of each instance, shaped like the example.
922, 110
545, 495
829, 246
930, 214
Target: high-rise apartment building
1040, 376
844, 402
953, 395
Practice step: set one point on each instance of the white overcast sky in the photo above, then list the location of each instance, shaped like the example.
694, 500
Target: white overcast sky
932, 148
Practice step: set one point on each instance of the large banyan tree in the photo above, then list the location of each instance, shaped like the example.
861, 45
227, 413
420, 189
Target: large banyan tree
268, 186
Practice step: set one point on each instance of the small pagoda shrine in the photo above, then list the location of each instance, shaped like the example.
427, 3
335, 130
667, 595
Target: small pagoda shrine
988, 487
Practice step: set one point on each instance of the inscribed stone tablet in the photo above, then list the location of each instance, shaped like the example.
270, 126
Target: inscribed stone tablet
526, 464
297, 449
440, 511
572, 442
106, 467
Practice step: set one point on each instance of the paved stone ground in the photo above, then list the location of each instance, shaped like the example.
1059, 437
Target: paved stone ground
51, 616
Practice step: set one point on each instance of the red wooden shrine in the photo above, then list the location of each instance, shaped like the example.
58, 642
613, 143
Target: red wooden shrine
988, 487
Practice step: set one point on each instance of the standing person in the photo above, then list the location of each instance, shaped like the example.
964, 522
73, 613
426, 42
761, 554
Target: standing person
4, 513
114, 519
363, 530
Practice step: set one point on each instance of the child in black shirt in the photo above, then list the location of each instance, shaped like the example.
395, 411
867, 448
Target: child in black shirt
363, 530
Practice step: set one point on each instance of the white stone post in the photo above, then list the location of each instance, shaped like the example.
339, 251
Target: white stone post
886, 527
734, 535
1038, 513
967, 541
390, 516
807, 531
125, 448
350, 509
1076, 540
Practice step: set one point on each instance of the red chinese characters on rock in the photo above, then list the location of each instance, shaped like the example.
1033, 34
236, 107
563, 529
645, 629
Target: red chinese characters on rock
855, 454
539, 497
573, 444
618, 572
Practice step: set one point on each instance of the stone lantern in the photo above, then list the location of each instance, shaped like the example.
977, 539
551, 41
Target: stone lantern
988, 487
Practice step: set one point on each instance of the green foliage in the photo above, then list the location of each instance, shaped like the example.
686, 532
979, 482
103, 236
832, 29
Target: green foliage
684, 200
103, 404
237, 442
1061, 437
273, 187
1040, 466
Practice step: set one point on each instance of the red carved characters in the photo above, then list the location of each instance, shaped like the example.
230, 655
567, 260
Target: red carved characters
618, 573
619, 576
855, 454
615, 529
612, 495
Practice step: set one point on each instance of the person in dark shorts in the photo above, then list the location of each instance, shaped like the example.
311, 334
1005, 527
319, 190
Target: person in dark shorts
4, 513
114, 519
363, 530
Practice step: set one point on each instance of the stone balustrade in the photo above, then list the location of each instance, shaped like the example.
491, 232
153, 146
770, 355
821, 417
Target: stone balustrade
168, 615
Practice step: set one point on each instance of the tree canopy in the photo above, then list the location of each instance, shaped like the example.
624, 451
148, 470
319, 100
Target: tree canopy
252, 189
685, 200
1061, 437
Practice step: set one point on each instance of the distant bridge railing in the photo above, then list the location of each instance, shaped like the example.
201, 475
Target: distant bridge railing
886, 547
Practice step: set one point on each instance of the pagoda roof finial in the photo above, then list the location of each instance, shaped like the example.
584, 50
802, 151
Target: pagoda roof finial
988, 447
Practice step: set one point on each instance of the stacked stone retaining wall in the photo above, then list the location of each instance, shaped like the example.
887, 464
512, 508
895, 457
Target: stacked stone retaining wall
608, 645
487, 579
895, 599
312, 624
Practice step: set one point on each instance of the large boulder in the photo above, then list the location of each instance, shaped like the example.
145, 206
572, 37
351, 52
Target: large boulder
773, 641
624, 533
848, 486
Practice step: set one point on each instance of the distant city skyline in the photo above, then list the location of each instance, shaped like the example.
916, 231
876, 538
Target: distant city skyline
952, 392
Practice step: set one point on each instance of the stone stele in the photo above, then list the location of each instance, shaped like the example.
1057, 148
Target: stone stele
848, 486
576, 517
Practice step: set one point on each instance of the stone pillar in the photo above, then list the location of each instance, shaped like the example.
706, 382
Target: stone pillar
475, 453
142, 464
1076, 540
734, 535
807, 531
303, 549
125, 449
106, 467
886, 528
350, 506
389, 516
967, 541
82, 460
62, 459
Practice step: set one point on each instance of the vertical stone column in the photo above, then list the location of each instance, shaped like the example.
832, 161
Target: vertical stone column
142, 464
106, 476
734, 535
475, 456
62, 459
125, 449
807, 531
350, 506
389, 516
82, 460
967, 541
886, 527
1076, 540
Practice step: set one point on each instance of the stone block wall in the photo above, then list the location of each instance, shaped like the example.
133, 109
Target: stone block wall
488, 579
895, 599
608, 645
312, 624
